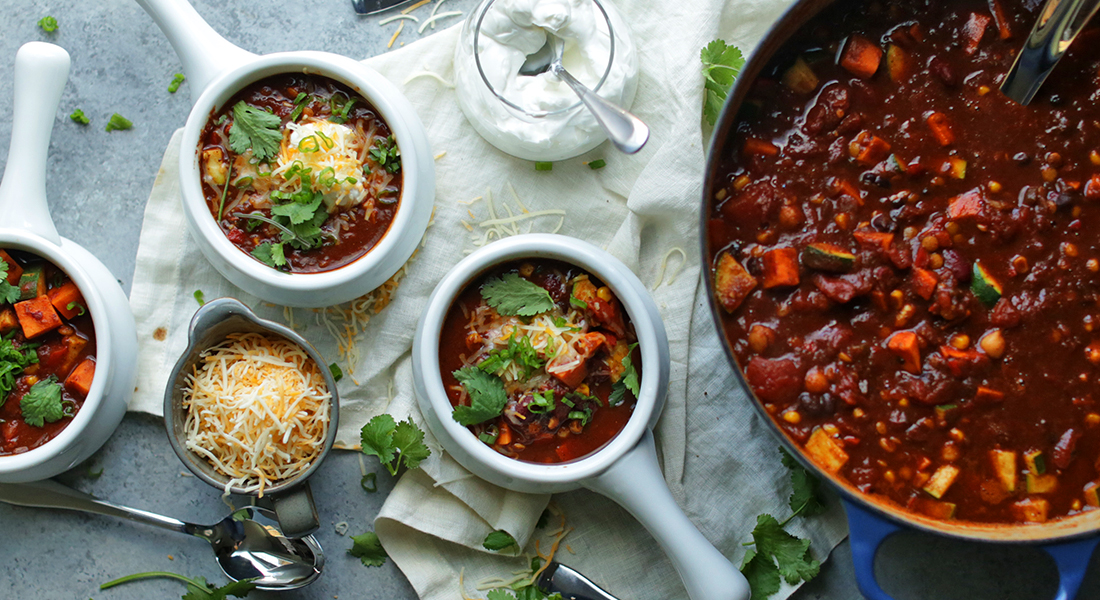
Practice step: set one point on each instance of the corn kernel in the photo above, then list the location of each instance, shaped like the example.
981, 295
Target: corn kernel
721, 194
1092, 419
956, 434
740, 183
1076, 505
880, 427
792, 417
1094, 156
904, 402
604, 293
859, 412
960, 341
889, 477
983, 90
995, 187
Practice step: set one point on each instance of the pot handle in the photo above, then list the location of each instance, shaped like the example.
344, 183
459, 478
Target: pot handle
866, 532
635, 483
1072, 560
205, 54
41, 71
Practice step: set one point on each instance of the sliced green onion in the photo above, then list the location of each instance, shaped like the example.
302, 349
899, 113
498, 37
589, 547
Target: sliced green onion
200, 297
243, 182
174, 87
369, 483
597, 164
337, 373
488, 438
225, 191
309, 145
544, 166
326, 141
327, 177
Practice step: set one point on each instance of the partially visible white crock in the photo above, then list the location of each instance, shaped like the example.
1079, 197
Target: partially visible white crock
216, 70
41, 71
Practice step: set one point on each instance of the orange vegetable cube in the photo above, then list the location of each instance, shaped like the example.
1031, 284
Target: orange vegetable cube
898, 63
861, 57
969, 204
988, 395
755, 146
868, 149
904, 345
7, 321
825, 451
941, 128
14, 270
80, 380
870, 239
732, 283
780, 267
1001, 20
846, 188
924, 282
65, 296
973, 31
37, 316
1031, 510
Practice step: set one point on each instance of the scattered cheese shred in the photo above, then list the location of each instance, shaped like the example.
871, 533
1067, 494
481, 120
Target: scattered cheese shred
257, 410
436, 76
415, 6
497, 226
393, 39
432, 19
389, 20
664, 264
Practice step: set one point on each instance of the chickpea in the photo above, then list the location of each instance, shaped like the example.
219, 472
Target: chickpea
935, 261
1050, 174
993, 343
880, 427
858, 413
526, 269
790, 216
760, 337
816, 382
1069, 249
995, 187
960, 341
930, 243
1092, 265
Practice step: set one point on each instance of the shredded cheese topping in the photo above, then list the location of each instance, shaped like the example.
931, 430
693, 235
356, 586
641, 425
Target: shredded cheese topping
499, 226
257, 410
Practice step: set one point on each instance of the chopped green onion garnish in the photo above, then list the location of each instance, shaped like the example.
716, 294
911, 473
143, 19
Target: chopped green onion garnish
337, 373
597, 164
200, 297
544, 166
369, 483
326, 141
78, 117
488, 438
308, 145
177, 79
48, 24
243, 182
118, 123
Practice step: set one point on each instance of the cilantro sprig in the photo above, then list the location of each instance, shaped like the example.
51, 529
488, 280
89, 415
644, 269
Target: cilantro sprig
519, 352
368, 549
197, 588
777, 554
9, 294
12, 362
514, 295
524, 589
499, 540
487, 396
394, 443
721, 65
256, 129
627, 381
42, 403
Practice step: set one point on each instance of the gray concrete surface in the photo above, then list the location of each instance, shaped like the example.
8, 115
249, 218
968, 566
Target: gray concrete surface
97, 185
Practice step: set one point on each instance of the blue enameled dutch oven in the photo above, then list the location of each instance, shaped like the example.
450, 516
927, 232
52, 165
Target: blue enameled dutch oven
1070, 541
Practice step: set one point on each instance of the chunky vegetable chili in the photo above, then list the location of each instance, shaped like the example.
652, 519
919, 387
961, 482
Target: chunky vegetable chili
47, 351
301, 173
540, 361
907, 260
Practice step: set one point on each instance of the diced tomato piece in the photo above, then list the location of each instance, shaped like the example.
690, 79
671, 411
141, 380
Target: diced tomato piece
969, 204
904, 345
861, 57
924, 283
774, 379
988, 395
65, 296
80, 380
1063, 450
758, 147
732, 283
941, 128
973, 31
14, 270
37, 316
868, 149
846, 188
871, 239
780, 267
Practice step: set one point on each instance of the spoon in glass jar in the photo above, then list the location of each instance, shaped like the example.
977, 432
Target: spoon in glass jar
627, 132
247, 546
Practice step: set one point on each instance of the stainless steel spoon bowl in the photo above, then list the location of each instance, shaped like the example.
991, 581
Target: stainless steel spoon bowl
627, 132
247, 543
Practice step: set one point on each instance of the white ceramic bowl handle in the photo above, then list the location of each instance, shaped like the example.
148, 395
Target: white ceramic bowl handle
635, 482
205, 54
41, 71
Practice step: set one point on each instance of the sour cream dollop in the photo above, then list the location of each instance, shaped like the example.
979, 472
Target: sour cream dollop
334, 153
511, 30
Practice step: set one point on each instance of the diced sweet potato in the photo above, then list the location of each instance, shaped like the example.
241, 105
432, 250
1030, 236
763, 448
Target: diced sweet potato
941, 128
868, 149
572, 368
969, 204
825, 451
1001, 20
732, 283
871, 239
37, 316
65, 297
844, 187
973, 31
987, 395
780, 267
941, 481
861, 57
80, 380
1031, 510
14, 270
8, 320
904, 345
924, 283
73, 349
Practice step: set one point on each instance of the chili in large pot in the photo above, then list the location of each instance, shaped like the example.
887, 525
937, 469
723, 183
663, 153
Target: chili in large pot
904, 264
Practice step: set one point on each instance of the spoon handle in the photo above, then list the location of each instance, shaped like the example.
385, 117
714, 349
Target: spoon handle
50, 494
1058, 25
626, 131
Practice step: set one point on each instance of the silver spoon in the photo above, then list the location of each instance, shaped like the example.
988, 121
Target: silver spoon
245, 547
627, 132
1059, 23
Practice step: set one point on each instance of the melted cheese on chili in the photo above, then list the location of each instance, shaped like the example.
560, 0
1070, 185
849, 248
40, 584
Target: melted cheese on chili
257, 410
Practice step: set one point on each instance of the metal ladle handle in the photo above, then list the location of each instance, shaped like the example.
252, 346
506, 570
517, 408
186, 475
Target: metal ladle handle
1059, 23
50, 494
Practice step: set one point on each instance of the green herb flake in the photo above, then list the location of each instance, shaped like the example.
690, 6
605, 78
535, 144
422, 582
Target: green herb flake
200, 297
255, 129
394, 443
79, 118
577, 303
48, 24
804, 500
9, 294
118, 122
42, 403
174, 85
514, 295
369, 483
599, 163
300, 103
368, 549
337, 372
628, 381
544, 166
488, 438
74, 305
486, 393
721, 65
386, 153
499, 540
197, 588
270, 254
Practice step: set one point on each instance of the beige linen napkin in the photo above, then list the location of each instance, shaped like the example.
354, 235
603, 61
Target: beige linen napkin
717, 456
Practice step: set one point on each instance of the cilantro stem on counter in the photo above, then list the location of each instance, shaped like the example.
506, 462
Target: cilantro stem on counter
197, 588
721, 65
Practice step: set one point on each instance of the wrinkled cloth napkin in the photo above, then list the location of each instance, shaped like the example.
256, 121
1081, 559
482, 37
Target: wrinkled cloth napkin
718, 458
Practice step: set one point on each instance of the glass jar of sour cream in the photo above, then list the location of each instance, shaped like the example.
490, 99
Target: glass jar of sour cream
539, 117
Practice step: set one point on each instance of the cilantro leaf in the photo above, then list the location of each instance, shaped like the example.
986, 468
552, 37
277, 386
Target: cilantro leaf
368, 549
270, 254
804, 499
298, 212
627, 381
79, 117
514, 295
790, 554
761, 573
519, 351
197, 588
487, 396
394, 443
118, 122
500, 594
499, 540
42, 403
721, 65
256, 129
48, 24
174, 86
